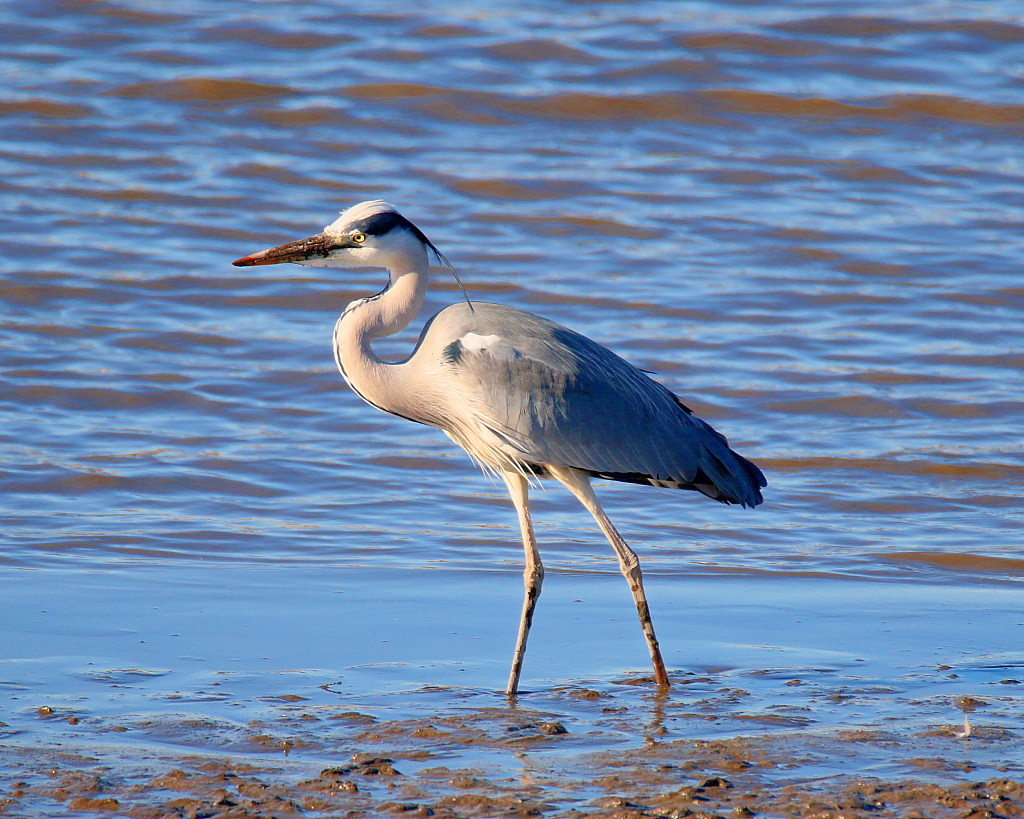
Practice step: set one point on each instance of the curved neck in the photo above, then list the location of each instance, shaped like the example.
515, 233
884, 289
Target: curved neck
382, 315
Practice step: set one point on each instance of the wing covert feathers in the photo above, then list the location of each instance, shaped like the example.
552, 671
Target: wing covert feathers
559, 398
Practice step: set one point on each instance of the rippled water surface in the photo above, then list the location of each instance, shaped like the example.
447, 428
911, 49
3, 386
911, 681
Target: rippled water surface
805, 217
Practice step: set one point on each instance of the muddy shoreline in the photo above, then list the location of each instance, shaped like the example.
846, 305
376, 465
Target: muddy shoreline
552, 764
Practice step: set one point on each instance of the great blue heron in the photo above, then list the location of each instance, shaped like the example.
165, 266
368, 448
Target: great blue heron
524, 396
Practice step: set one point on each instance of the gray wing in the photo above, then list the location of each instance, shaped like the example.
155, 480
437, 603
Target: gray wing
559, 398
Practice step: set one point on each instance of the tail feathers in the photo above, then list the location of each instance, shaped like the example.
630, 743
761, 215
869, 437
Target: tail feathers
734, 478
739, 482
723, 474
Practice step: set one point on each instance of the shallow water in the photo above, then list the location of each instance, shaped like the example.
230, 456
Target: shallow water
806, 220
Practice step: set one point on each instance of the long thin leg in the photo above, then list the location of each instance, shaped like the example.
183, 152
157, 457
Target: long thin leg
533, 574
579, 484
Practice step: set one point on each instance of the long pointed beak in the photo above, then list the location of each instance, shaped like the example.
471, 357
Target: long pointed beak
314, 247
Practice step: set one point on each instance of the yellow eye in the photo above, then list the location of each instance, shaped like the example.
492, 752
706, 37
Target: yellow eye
358, 238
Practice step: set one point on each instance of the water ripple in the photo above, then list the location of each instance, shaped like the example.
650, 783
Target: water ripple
808, 225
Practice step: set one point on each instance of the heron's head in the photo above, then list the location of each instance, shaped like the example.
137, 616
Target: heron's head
370, 234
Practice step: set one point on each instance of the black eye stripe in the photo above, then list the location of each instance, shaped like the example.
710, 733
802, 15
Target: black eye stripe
379, 223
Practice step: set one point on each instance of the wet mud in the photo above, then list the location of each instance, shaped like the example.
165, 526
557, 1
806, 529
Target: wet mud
443, 766
820, 745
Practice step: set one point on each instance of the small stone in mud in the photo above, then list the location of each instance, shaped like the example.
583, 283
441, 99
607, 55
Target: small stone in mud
179, 780
76, 782
369, 765
334, 772
689, 793
354, 718
969, 703
618, 803
635, 681
91, 803
253, 788
184, 804
368, 759
312, 803
330, 781
716, 782
587, 694
45, 711
465, 782
406, 809
552, 728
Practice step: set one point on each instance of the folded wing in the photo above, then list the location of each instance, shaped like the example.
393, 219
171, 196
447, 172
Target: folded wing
557, 397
